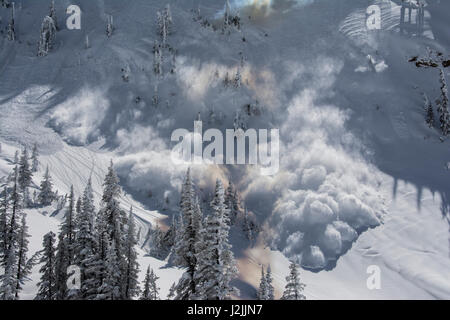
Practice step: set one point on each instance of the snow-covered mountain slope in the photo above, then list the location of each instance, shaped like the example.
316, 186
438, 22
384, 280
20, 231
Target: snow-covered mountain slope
354, 146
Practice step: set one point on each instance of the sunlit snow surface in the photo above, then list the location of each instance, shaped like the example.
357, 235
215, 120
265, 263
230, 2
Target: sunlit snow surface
356, 154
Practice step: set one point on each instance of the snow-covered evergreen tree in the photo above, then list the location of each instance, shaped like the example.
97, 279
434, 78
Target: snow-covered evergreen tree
188, 238
86, 245
4, 218
185, 245
47, 283
24, 264
11, 29
151, 290
217, 266
131, 275
262, 290
24, 174
11, 230
115, 217
172, 291
47, 36
111, 288
46, 194
444, 115
294, 287
61, 266
12, 219
98, 262
269, 286
232, 203
78, 206
157, 248
8, 279
34, 158
68, 227
112, 223
237, 79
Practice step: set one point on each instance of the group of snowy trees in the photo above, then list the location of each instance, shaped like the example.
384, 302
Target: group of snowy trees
230, 19
101, 244
293, 289
164, 28
235, 82
163, 243
265, 290
14, 235
25, 167
436, 60
201, 245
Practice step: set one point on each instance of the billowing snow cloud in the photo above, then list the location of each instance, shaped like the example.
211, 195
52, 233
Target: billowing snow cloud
325, 193
79, 118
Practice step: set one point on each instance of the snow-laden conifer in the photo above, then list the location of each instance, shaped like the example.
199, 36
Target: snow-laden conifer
294, 287
47, 283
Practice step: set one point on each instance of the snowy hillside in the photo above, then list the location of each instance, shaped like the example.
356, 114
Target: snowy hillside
363, 180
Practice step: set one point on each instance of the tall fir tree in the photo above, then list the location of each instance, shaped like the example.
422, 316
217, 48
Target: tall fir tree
269, 286
112, 283
294, 287
8, 279
68, 226
262, 290
47, 282
4, 217
444, 115
35, 158
12, 226
47, 36
112, 223
24, 174
85, 245
217, 266
61, 265
232, 203
11, 28
131, 276
188, 238
46, 194
151, 290
24, 264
